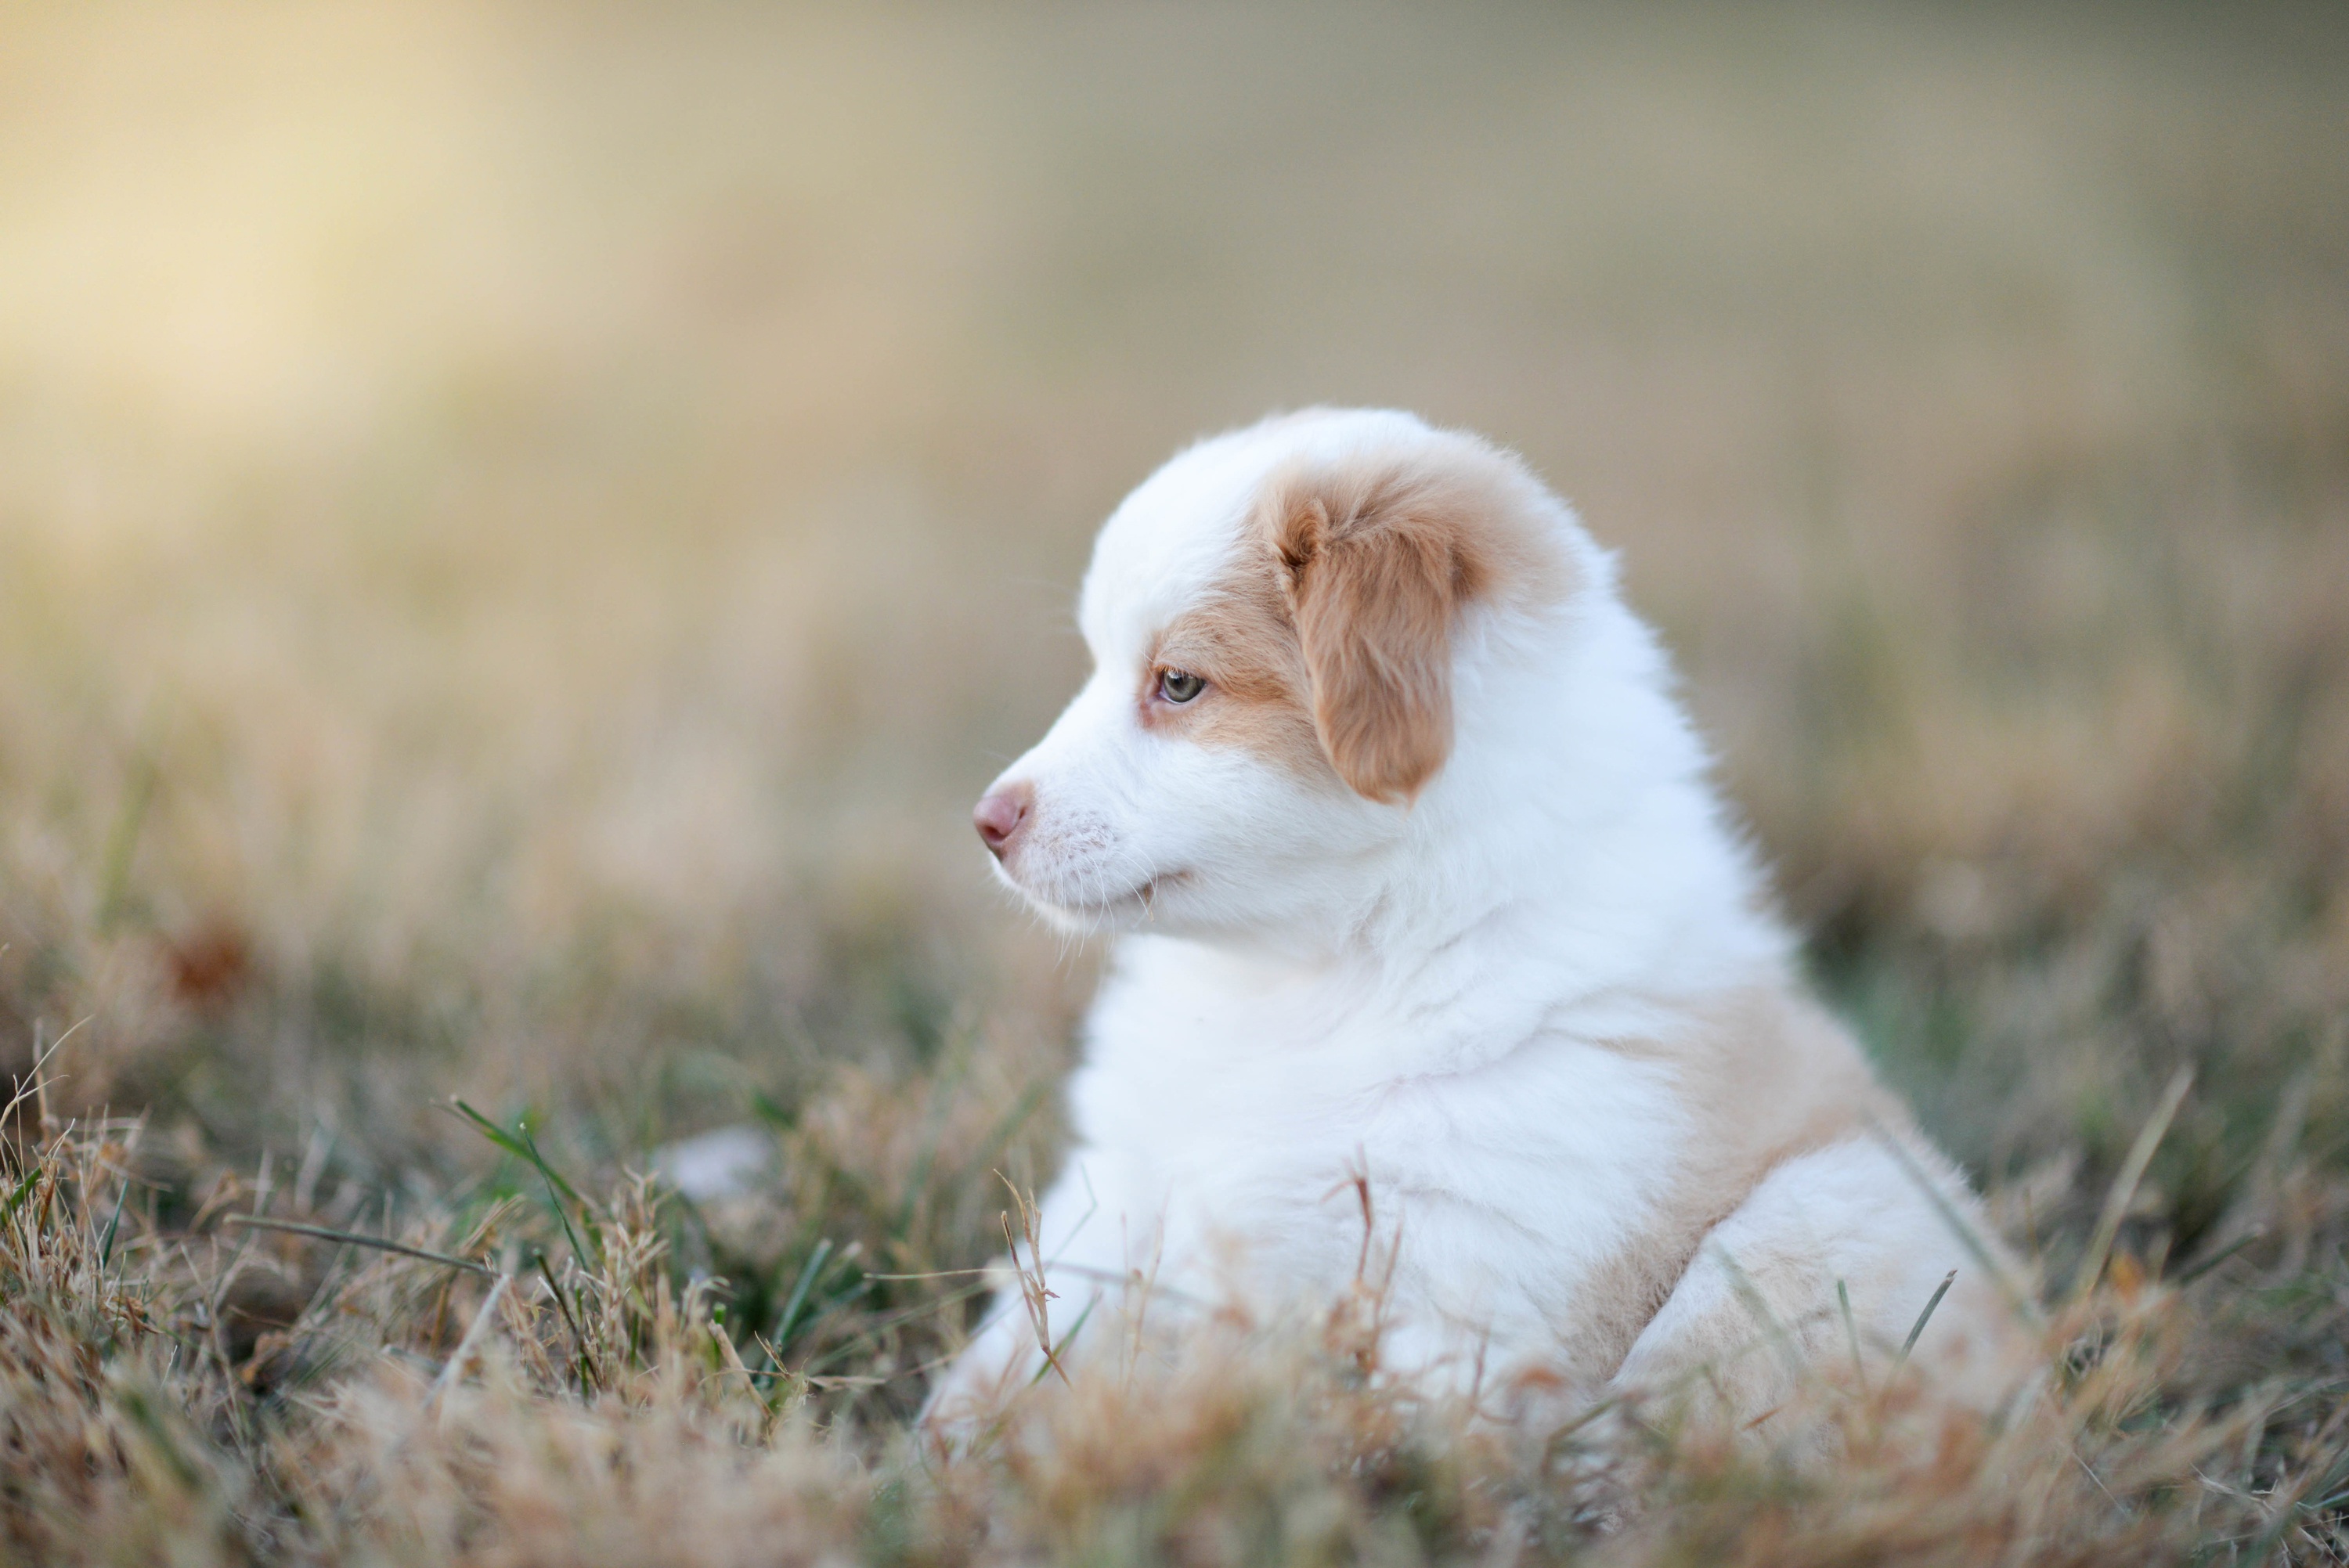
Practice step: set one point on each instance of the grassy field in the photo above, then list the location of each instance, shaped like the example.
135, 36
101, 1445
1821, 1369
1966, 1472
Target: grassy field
522, 530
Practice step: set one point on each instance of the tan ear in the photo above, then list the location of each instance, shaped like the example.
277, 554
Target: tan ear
1377, 569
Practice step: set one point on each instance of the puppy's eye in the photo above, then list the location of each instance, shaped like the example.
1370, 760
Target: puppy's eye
1179, 686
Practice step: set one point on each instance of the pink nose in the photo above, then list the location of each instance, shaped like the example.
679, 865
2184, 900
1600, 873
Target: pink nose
1002, 814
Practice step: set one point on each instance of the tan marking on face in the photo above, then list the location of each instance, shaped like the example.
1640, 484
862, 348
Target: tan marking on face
1240, 640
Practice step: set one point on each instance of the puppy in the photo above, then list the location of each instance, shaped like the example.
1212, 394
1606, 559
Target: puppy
1439, 959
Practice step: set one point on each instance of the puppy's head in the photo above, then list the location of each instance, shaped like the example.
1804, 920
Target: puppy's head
1277, 620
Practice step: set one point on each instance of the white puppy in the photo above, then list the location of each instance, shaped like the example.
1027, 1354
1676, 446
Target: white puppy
1420, 879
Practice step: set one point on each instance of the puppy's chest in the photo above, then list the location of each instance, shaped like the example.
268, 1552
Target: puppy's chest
1532, 1165
1207, 1085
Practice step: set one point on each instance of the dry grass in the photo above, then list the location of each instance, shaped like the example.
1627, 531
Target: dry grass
521, 530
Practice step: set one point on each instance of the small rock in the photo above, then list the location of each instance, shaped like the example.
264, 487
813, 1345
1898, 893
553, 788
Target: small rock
725, 1163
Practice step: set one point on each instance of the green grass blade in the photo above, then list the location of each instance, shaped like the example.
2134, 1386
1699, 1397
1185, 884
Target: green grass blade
1851, 1334
2215, 1259
1052, 1353
2017, 1298
1923, 1318
16, 1200
525, 1149
106, 1242
798, 1299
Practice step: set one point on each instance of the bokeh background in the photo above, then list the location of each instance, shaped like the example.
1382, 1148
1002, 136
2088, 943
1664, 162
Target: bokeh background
522, 530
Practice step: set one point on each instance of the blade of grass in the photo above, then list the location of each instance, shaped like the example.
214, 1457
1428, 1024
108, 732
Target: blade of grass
16, 1200
887, 1321
328, 1233
1749, 1296
798, 1298
2018, 1300
525, 1148
1052, 1353
521, 1147
106, 1242
821, 1311
1923, 1318
454, 1367
2220, 1256
578, 1341
1851, 1335
34, 1085
2125, 1185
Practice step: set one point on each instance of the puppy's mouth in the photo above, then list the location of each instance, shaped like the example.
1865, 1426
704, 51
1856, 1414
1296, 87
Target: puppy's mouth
1141, 899
1142, 896
1146, 896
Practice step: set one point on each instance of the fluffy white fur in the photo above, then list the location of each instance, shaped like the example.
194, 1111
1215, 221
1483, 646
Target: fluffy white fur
1437, 994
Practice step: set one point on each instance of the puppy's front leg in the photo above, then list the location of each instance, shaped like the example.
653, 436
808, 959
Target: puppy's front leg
1057, 1285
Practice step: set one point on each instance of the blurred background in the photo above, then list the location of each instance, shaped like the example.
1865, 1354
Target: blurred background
522, 530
